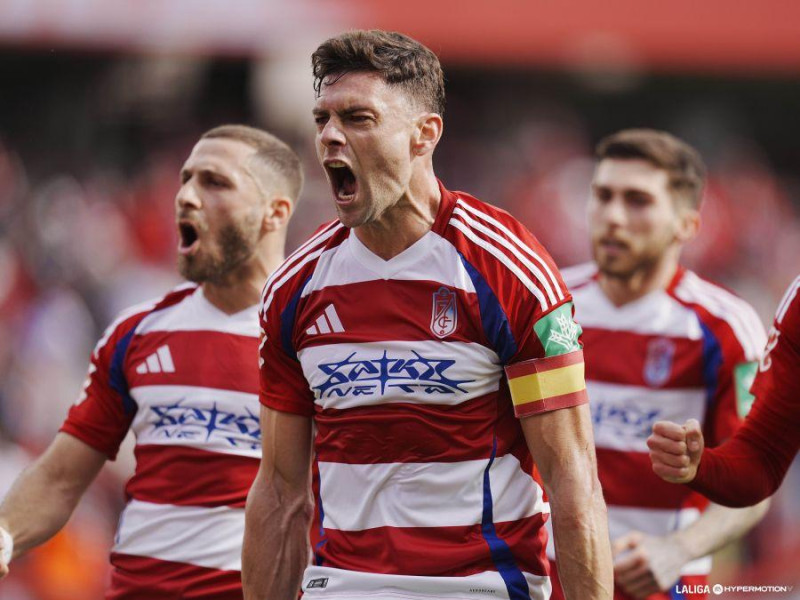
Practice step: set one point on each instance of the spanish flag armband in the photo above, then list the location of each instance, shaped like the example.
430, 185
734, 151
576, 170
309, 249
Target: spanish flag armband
543, 384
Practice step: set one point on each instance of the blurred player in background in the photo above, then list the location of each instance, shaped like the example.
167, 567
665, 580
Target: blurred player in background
750, 466
389, 331
660, 342
181, 374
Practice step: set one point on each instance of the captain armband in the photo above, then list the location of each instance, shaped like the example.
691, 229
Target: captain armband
543, 384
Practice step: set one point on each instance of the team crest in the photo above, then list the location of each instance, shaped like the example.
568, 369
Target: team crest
658, 361
444, 315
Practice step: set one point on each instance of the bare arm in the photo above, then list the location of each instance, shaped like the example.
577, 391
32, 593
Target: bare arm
43, 497
562, 445
279, 508
647, 565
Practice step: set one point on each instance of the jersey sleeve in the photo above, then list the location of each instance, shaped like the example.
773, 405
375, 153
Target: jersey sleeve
751, 466
102, 415
283, 385
737, 365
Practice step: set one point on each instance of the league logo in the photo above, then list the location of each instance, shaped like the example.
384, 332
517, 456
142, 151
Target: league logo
658, 361
444, 315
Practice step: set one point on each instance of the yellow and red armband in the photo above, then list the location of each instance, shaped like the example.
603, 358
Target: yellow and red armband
544, 384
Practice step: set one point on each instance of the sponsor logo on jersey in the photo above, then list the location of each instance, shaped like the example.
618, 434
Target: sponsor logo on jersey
180, 421
743, 376
444, 314
658, 361
558, 332
628, 421
319, 582
361, 376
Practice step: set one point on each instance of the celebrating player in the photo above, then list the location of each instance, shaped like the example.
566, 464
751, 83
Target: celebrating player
660, 342
750, 466
180, 373
391, 329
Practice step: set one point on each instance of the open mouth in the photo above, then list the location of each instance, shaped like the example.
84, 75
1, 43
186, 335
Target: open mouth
188, 238
343, 180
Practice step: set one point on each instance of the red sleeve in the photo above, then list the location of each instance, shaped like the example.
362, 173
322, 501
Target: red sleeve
101, 416
752, 465
283, 385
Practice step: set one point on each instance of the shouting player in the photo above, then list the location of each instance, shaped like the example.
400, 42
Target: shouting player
181, 374
660, 342
430, 340
750, 466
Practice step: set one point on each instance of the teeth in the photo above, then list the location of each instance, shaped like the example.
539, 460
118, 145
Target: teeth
336, 164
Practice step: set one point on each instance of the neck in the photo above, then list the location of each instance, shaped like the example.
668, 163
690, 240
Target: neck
622, 290
405, 222
242, 288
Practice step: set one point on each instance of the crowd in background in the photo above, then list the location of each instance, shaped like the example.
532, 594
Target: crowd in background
77, 246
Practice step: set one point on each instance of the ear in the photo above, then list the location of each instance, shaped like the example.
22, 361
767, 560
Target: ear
688, 224
427, 134
279, 211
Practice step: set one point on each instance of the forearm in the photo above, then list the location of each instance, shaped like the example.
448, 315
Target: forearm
717, 527
275, 551
580, 530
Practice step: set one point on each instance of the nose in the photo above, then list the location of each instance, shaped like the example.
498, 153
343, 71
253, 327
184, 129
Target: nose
187, 197
612, 213
331, 134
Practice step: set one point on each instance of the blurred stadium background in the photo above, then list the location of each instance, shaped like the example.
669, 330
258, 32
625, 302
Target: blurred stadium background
100, 102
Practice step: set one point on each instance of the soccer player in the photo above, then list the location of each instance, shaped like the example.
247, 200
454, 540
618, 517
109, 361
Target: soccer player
181, 374
750, 466
660, 342
430, 340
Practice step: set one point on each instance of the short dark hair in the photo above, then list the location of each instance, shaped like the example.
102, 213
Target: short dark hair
683, 164
397, 58
276, 154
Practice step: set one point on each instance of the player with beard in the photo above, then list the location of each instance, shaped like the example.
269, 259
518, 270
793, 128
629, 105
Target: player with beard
427, 339
660, 343
180, 373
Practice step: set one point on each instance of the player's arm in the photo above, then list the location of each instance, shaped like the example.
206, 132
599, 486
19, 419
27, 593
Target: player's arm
44, 496
562, 445
646, 565
279, 508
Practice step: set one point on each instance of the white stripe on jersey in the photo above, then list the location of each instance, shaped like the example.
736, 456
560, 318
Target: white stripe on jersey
489, 219
578, 274
336, 266
787, 300
341, 584
499, 255
364, 496
514, 252
348, 375
196, 313
657, 314
320, 238
205, 537
212, 419
292, 272
126, 314
623, 415
736, 312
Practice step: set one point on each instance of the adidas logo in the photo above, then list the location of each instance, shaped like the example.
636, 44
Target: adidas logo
327, 322
159, 361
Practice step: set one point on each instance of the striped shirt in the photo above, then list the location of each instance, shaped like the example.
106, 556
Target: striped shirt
423, 481
181, 375
688, 351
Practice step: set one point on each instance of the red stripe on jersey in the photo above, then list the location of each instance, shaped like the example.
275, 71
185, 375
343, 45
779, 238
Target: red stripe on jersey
628, 480
212, 359
622, 357
139, 577
381, 320
434, 551
191, 477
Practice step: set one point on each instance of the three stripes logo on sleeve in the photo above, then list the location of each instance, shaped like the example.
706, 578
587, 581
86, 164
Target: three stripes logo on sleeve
159, 361
327, 322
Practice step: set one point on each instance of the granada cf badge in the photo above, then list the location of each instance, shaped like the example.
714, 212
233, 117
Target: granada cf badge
658, 361
444, 315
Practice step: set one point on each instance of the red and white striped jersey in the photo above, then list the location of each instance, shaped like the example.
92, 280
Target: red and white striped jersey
182, 376
689, 351
423, 481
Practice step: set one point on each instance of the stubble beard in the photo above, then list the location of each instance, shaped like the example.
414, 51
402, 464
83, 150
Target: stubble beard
234, 248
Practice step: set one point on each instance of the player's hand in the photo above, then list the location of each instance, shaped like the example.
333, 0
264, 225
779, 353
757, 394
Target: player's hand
646, 565
675, 450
